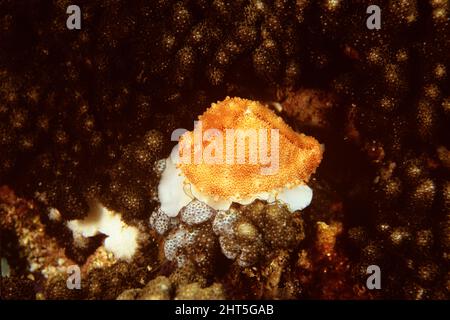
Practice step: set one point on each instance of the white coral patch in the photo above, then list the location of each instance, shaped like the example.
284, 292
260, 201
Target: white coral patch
171, 192
121, 238
296, 198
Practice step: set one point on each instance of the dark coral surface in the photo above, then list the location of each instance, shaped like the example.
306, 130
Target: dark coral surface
84, 114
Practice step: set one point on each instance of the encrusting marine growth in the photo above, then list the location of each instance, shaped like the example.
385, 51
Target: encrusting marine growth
213, 165
199, 185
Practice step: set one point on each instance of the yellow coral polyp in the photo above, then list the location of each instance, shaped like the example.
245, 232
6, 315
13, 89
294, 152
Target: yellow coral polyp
299, 155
